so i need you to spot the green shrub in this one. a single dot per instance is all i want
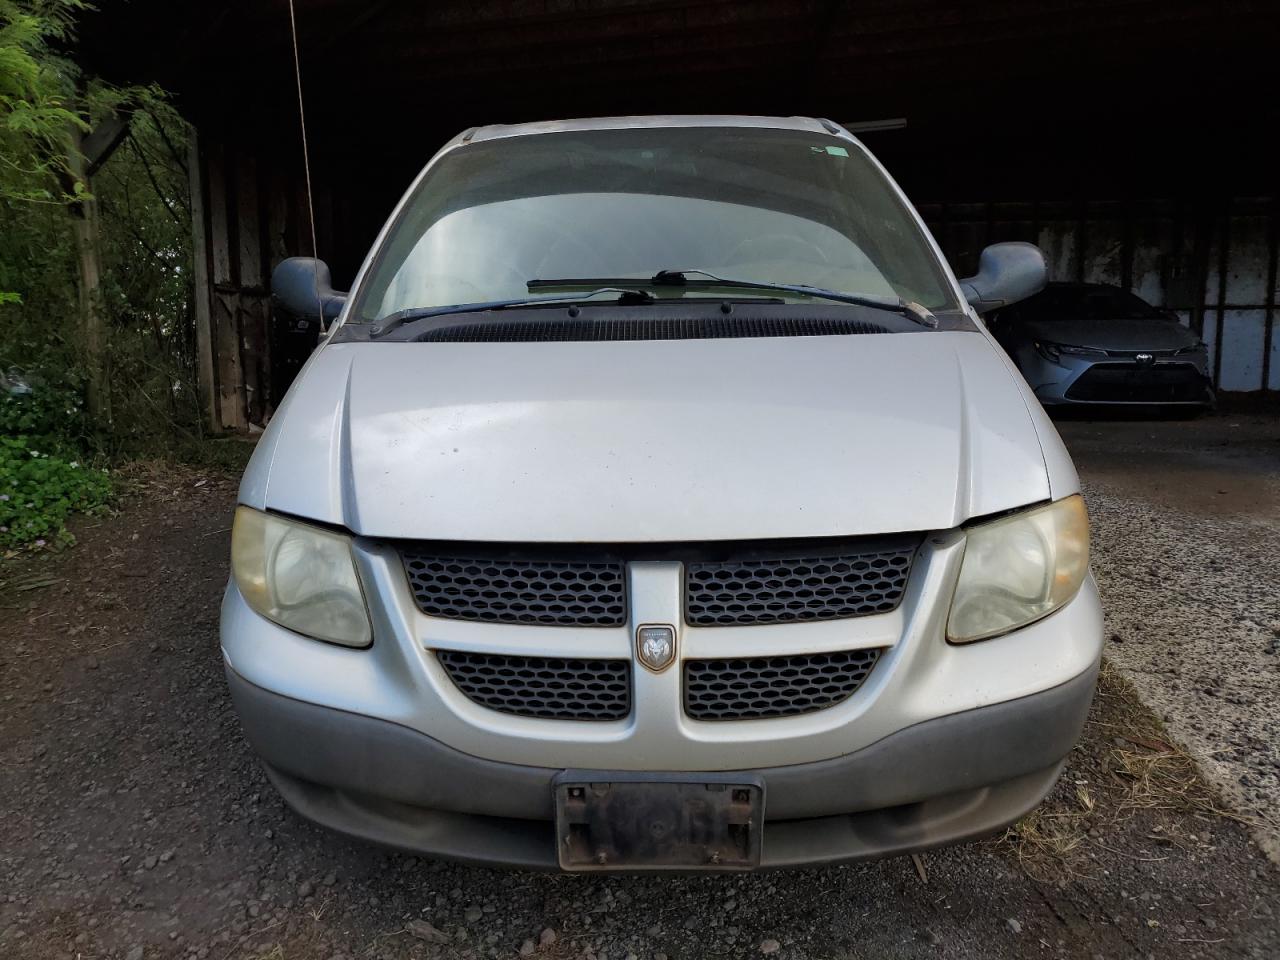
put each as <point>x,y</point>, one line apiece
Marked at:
<point>39,491</point>
<point>49,411</point>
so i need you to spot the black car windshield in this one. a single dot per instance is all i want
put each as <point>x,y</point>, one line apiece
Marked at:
<point>1073,302</point>
<point>765,205</point>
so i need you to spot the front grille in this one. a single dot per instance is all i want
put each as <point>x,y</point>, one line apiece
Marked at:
<point>1134,383</point>
<point>1132,354</point>
<point>762,687</point>
<point>549,688</point>
<point>534,591</point>
<point>849,583</point>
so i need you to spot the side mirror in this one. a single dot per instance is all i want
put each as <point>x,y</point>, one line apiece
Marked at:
<point>1007,273</point>
<point>304,287</point>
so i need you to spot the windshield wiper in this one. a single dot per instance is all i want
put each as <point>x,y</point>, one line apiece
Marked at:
<point>701,278</point>
<point>392,321</point>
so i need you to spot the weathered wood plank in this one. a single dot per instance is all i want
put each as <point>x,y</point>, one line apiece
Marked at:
<point>231,393</point>
<point>248,223</point>
<point>208,385</point>
<point>85,224</point>
<point>219,239</point>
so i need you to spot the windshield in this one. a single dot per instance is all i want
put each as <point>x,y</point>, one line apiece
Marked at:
<point>768,206</point>
<point>1072,302</point>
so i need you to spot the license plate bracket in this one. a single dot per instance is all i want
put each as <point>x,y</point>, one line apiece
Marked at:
<point>658,821</point>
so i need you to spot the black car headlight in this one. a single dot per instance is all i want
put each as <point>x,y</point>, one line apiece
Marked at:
<point>1054,352</point>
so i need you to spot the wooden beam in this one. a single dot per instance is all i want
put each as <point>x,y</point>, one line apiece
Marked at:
<point>202,292</point>
<point>225,293</point>
<point>85,231</point>
<point>101,142</point>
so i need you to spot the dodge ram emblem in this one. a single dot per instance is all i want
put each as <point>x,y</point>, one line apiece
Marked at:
<point>1145,359</point>
<point>656,646</point>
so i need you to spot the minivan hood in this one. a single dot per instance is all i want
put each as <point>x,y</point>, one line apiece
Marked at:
<point>644,441</point>
<point>1129,333</point>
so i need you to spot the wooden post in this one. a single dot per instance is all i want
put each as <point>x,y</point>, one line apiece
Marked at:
<point>85,230</point>
<point>225,290</point>
<point>202,291</point>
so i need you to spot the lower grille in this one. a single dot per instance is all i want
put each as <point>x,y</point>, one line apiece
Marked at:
<point>549,688</point>
<point>1132,383</point>
<point>763,687</point>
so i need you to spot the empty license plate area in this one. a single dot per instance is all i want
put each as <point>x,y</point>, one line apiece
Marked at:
<point>658,822</point>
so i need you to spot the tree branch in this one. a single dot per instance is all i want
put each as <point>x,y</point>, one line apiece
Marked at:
<point>154,183</point>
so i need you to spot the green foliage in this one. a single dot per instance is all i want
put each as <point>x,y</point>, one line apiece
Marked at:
<point>44,477</point>
<point>37,88</point>
<point>145,239</point>
<point>49,413</point>
<point>39,491</point>
<point>141,192</point>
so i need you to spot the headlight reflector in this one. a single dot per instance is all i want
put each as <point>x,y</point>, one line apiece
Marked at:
<point>299,576</point>
<point>1019,568</point>
<point>1053,352</point>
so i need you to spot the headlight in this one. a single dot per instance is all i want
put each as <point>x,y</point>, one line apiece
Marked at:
<point>1053,352</point>
<point>1018,569</point>
<point>300,576</point>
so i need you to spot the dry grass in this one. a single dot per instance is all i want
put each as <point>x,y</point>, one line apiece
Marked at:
<point>1150,770</point>
<point>1125,764</point>
<point>164,480</point>
<point>1052,834</point>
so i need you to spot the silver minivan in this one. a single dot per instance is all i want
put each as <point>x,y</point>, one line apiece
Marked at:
<point>657,500</point>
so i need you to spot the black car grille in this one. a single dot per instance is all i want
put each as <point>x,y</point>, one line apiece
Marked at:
<point>1140,383</point>
<point>781,589</point>
<point>759,688</point>
<point>548,688</point>
<point>579,593</point>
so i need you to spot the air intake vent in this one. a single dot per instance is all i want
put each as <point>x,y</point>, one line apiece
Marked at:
<point>811,586</point>
<point>763,687</point>
<point>547,591</point>
<point>543,331</point>
<point>549,688</point>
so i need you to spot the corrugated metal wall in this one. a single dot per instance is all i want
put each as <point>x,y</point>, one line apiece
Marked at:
<point>1215,263</point>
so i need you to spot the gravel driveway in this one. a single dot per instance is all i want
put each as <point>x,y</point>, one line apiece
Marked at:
<point>135,824</point>
<point>1186,523</point>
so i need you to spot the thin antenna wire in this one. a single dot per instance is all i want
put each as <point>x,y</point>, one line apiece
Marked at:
<point>306,157</point>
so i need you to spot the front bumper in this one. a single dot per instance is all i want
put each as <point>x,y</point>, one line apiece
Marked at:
<point>1094,383</point>
<point>937,782</point>
<point>918,675</point>
<point>939,744</point>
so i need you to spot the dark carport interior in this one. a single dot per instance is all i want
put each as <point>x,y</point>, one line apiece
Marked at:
<point>1124,138</point>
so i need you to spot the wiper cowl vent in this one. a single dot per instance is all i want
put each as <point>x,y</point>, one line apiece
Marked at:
<point>711,328</point>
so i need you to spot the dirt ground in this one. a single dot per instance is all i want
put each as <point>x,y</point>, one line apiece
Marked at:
<point>135,824</point>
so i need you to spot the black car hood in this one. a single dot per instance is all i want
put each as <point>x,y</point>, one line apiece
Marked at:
<point>1138,333</point>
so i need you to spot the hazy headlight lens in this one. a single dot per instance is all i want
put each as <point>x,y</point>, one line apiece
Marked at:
<point>1019,568</point>
<point>299,576</point>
